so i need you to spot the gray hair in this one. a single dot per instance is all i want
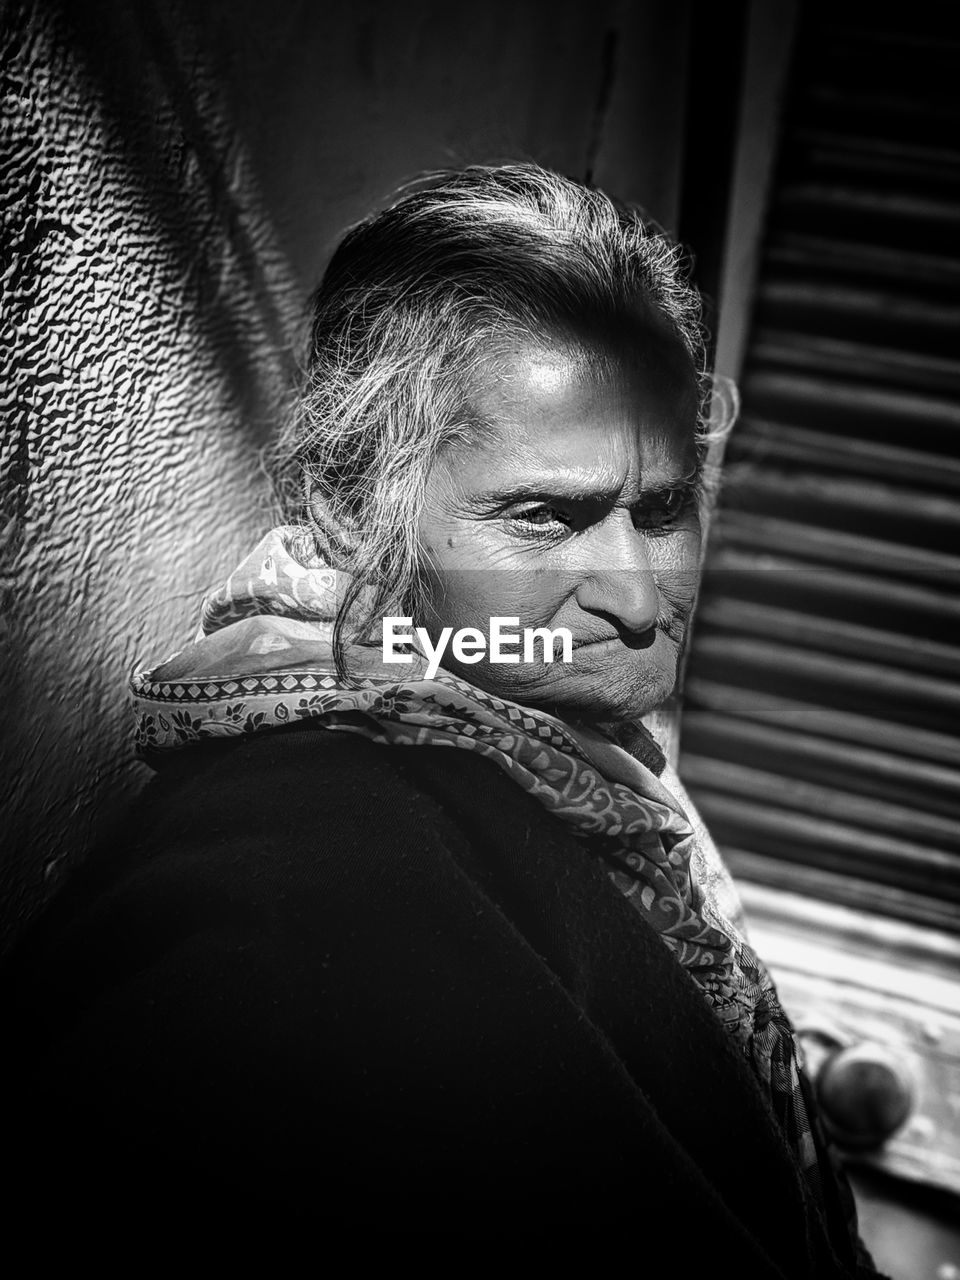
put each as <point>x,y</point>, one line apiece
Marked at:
<point>412,304</point>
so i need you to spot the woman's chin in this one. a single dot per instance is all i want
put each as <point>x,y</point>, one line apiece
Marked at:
<point>599,687</point>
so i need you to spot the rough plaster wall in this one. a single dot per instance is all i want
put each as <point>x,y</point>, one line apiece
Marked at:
<point>147,308</point>
<point>341,102</point>
<point>144,316</point>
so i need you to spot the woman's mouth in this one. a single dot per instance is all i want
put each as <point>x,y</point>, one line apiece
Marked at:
<point>625,639</point>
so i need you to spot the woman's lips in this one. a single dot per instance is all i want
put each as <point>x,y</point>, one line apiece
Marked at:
<point>629,640</point>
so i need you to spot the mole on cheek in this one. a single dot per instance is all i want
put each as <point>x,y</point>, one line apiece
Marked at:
<point>450,543</point>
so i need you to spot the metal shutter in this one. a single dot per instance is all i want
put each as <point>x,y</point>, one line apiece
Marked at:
<point>822,697</point>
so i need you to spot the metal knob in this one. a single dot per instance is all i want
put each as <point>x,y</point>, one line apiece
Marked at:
<point>865,1093</point>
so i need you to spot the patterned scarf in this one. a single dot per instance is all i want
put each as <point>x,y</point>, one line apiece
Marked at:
<point>263,658</point>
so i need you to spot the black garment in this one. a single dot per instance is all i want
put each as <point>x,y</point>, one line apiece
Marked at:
<point>385,981</point>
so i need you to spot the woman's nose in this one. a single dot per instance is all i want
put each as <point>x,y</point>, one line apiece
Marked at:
<point>621,584</point>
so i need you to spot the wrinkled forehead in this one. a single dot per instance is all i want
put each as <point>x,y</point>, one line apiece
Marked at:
<point>639,370</point>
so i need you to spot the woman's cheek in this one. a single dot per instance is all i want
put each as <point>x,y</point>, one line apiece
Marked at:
<point>679,553</point>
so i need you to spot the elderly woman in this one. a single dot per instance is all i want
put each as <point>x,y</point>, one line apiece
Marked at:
<point>415,925</point>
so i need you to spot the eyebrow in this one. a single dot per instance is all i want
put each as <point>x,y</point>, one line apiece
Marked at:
<point>577,493</point>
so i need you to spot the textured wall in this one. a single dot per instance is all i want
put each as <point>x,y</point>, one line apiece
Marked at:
<point>174,175</point>
<point>144,308</point>
<point>341,101</point>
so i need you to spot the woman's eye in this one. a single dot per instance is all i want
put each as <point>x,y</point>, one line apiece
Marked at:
<point>541,517</point>
<point>663,512</point>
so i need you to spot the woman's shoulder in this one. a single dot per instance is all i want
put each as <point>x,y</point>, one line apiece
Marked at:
<point>250,824</point>
<point>300,797</point>
<point>303,931</point>
<point>278,844</point>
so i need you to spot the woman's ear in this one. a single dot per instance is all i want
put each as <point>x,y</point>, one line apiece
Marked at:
<point>336,536</point>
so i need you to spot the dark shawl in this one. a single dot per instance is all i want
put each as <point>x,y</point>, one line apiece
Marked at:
<point>387,985</point>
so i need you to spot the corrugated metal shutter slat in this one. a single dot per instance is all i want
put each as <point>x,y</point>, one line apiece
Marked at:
<point>820,736</point>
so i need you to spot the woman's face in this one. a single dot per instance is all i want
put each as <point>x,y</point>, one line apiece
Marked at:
<point>575,507</point>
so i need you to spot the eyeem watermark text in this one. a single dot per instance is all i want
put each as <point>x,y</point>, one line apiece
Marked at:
<point>506,643</point>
